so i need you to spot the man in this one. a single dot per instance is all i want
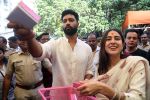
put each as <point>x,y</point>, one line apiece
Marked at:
<point>71,57</point>
<point>92,41</point>
<point>44,37</point>
<point>147,31</point>
<point>27,72</point>
<point>131,40</point>
<point>3,43</point>
<point>13,43</point>
<point>144,43</point>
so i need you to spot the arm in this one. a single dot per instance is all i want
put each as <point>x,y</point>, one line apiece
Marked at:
<point>6,86</point>
<point>8,77</point>
<point>25,34</point>
<point>89,71</point>
<point>47,64</point>
<point>35,48</point>
<point>92,87</point>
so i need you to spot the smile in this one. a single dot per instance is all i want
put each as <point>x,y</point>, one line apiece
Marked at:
<point>113,47</point>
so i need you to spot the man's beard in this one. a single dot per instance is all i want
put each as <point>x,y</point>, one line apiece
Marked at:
<point>70,31</point>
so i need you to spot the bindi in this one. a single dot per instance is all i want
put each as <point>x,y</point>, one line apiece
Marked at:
<point>112,33</point>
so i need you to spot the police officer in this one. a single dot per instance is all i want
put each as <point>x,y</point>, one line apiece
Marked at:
<point>28,75</point>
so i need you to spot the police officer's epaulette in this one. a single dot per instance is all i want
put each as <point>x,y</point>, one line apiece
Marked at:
<point>12,53</point>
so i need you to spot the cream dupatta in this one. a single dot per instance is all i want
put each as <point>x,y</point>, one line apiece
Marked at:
<point>125,73</point>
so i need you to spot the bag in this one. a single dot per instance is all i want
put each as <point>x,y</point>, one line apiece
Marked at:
<point>62,93</point>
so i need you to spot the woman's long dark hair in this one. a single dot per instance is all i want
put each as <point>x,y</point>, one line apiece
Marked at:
<point>104,60</point>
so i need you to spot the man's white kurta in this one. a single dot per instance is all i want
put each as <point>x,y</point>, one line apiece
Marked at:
<point>68,65</point>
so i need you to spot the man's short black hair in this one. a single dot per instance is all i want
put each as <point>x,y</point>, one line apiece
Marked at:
<point>70,11</point>
<point>13,38</point>
<point>92,33</point>
<point>4,59</point>
<point>2,49</point>
<point>131,30</point>
<point>3,39</point>
<point>40,36</point>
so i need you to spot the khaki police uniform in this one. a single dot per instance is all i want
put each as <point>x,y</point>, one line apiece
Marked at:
<point>8,52</point>
<point>28,75</point>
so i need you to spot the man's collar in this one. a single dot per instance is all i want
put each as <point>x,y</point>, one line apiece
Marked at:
<point>127,50</point>
<point>21,52</point>
<point>67,39</point>
<point>147,44</point>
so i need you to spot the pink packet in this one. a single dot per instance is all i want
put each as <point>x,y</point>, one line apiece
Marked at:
<point>23,15</point>
<point>76,84</point>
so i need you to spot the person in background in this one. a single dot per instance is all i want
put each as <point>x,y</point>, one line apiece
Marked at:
<point>147,31</point>
<point>3,43</point>
<point>13,43</point>
<point>131,42</point>
<point>28,74</point>
<point>119,78</point>
<point>92,41</point>
<point>71,57</point>
<point>84,39</point>
<point>47,74</point>
<point>44,37</point>
<point>3,67</point>
<point>144,43</point>
<point>99,41</point>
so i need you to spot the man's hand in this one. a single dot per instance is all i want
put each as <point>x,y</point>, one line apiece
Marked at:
<point>21,32</point>
<point>88,76</point>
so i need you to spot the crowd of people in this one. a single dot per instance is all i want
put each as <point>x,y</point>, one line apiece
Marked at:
<point>117,69</point>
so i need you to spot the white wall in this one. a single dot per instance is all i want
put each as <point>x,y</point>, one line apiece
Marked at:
<point>5,9</point>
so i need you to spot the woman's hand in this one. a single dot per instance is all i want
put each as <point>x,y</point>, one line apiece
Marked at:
<point>88,87</point>
<point>92,87</point>
<point>103,78</point>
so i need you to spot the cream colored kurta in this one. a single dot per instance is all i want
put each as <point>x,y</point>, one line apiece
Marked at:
<point>68,65</point>
<point>130,76</point>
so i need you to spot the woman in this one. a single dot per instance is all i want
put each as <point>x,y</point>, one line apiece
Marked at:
<point>120,78</point>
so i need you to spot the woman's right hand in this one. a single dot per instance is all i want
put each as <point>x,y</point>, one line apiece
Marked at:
<point>88,87</point>
<point>92,87</point>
